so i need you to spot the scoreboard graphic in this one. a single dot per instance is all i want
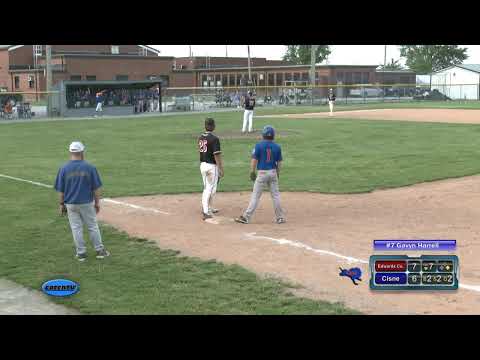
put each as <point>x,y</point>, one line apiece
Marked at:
<point>402,272</point>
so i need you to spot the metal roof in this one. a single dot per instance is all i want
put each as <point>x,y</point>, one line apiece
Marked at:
<point>471,67</point>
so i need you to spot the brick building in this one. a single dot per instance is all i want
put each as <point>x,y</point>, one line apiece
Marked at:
<point>22,67</point>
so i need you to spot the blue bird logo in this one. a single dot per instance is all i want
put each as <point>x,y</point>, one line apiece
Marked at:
<point>353,273</point>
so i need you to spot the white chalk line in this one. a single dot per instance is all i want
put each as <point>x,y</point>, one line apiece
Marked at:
<point>249,235</point>
<point>116,202</point>
<point>349,259</point>
<point>27,181</point>
<point>137,207</point>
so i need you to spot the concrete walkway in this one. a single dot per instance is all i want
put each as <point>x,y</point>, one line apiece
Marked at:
<point>18,300</point>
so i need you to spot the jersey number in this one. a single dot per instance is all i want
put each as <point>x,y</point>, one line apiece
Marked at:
<point>269,155</point>
<point>202,146</point>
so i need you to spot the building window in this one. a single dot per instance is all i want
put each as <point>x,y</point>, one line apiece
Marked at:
<point>76,77</point>
<point>224,80</point>
<point>91,78</point>
<point>357,77</point>
<point>121,77</point>
<point>115,49</point>
<point>17,82</point>
<point>305,76</point>
<point>271,80</point>
<point>279,79</point>
<point>255,79</point>
<point>348,78</point>
<point>37,49</point>
<point>31,81</point>
<point>366,78</point>
<point>143,51</point>
<point>296,76</point>
<point>288,77</point>
<point>232,80</point>
<point>340,77</point>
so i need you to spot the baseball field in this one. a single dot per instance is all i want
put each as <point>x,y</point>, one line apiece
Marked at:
<point>369,172</point>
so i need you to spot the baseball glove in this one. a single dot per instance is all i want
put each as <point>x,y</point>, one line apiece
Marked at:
<point>63,210</point>
<point>253,176</point>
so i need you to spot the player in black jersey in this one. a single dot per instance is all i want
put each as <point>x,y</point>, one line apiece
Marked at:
<point>331,100</point>
<point>249,105</point>
<point>211,166</point>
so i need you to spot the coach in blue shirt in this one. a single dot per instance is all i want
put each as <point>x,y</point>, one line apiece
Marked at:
<point>267,159</point>
<point>78,183</point>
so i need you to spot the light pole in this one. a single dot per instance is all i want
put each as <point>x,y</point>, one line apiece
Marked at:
<point>249,69</point>
<point>312,68</point>
<point>384,66</point>
<point>48,59</point>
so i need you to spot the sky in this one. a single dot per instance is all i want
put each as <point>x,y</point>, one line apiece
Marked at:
<point>341,54</point>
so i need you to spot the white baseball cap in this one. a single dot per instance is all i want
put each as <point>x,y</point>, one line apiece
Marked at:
<point>76,147</point>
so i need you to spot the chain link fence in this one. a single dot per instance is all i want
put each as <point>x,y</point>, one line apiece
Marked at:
<point>214,98</point>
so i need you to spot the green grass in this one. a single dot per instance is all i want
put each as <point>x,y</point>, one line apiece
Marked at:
<point>340,106</point>
<point>139,278</point>
<point>158,155</point>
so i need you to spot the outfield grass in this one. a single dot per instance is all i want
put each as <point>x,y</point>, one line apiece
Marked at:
<point>158,155</point>
<point>341,106</point>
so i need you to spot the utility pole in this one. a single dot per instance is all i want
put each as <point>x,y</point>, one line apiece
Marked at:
<point>249,69</point>
<point>312,68</point>
<point>48,58</point>
<point>384,66</point>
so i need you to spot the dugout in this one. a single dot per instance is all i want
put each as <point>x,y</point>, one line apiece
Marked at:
<point>77,98</point>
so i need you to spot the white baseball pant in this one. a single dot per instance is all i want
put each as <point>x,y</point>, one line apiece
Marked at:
<point>210,180</point>
<point>99,107</point>
<point>331,103</point>
<point>247,121</point>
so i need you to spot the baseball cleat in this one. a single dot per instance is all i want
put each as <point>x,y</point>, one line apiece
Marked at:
<point>207,216</point>
<point>281,221</point>
<point>214,211</point>
<point>81,257</point>
<point>101,254</point>
<point>241,220</point>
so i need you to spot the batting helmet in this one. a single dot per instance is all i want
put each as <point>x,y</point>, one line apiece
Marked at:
<point>209,124</point>
<point>268,132</point>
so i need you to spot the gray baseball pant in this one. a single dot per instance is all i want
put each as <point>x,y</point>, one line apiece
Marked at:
<point>78,216</point>
<point>265,178</point>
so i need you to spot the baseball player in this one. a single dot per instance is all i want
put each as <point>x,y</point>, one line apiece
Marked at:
<point>78,184</point>
<point>211,166</point>
<point>99,100</point>
<point>249,105</point>
<point>267,158</point>
<point>331,100</point>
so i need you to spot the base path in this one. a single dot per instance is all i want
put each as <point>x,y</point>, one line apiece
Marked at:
<point>323,232</point>
<point>456,116</point>
<point>18,300</point>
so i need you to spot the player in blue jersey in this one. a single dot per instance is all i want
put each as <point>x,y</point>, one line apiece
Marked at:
<point>267,159</point>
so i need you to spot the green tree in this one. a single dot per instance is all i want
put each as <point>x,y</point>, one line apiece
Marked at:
<point>393,65</point>
<point>301,54</point>
<point>426,59</point>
